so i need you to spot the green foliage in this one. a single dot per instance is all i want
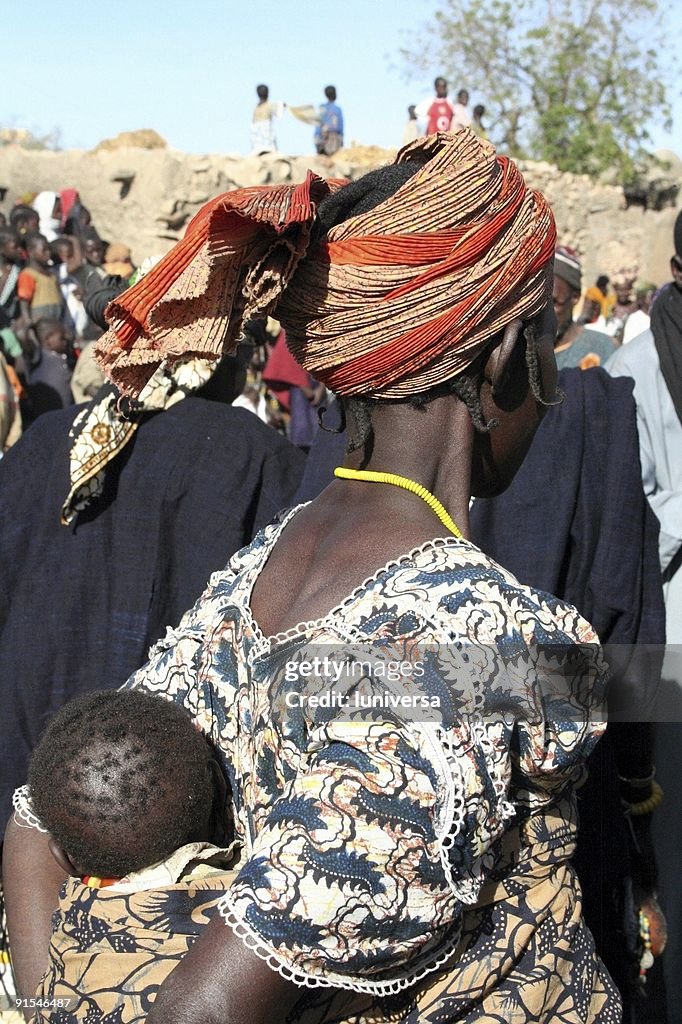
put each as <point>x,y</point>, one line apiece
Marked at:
<point>576,83</point>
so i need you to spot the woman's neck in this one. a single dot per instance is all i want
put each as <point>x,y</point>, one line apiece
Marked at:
<point>431,445</point>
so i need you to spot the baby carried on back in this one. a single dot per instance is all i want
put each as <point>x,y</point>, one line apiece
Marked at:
<point>135,804</point>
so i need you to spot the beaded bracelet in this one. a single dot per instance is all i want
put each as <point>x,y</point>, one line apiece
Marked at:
<point>647,958</point>
<point>646,806</point>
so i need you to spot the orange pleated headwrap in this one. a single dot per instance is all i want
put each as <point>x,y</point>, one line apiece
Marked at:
<point>388,303</point>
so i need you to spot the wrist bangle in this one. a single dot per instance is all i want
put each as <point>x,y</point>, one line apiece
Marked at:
<point>641,782</point>
<point>645,806</point>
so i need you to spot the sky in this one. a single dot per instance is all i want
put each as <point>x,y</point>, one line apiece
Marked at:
<point>189,70</point>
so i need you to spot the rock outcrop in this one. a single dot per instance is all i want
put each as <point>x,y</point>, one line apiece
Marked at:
<point>146,196</point>
<point>142,138</point>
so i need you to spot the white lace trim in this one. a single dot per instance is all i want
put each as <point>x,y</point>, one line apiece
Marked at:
<point>451,819</point>
<point>347,634</point>
<point>23,810</point>
<point>456,789</point>
<point>448,807</point>
<point>253,941</point>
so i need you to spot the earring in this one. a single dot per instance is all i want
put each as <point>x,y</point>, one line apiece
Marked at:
<point>322,409</point>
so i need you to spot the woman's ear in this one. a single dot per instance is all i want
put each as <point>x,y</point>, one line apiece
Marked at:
<point>62,858</point>
<point>497,368</point>
<point>506,370</point>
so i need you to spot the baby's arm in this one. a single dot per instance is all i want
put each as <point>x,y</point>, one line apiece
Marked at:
<point>32,880</point>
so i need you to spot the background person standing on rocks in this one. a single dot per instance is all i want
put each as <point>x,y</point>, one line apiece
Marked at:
<point>329,132</point>
<point>477,122</point>
<point>263,123</point>
<point>411,129</point>
<point>437,112</point>
<point>460,114</point>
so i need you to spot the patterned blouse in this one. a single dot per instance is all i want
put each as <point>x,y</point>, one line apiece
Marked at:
<point>402,863</point>
<point>397,863</point>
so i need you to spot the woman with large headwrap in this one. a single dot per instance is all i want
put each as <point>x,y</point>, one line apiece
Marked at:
<point>392,867</point>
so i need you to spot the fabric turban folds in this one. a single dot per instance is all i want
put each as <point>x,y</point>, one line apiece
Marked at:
<point>386,304</point>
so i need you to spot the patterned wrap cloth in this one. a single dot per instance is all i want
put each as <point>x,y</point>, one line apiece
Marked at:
<point>112,947</point>
<point>109,421</point>
<point>388,303</point>
<point>102,430</point>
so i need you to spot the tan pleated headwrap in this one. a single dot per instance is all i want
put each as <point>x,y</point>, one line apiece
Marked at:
<point>388,303</point>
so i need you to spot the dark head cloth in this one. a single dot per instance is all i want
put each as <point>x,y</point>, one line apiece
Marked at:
<point>666,326</point>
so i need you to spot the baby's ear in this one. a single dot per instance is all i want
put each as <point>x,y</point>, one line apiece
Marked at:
<point>62,858</point>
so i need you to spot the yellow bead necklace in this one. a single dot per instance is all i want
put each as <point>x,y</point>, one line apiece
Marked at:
<point>408,485</point>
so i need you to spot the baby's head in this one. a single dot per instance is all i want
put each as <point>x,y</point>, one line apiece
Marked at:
<point>121,779</point>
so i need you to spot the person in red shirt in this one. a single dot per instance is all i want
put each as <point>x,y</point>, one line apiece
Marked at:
<point>437,112</point>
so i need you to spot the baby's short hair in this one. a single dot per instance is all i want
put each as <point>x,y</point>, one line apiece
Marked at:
<point>121,779</point>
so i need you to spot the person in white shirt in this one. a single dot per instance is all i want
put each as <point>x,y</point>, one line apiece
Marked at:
<point>460,113</point>
<point>639,321</point>
<point>654,361</point>
<point>263,123</point>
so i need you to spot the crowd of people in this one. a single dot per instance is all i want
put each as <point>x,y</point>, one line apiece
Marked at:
<point>52,260</point>
<point>331,428</point>
<point>56,278</point>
